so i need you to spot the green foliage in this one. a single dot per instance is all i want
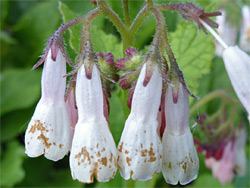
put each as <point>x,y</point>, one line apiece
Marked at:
<point>16,85</point>
<point>193,51</point>
<point>12,171</point>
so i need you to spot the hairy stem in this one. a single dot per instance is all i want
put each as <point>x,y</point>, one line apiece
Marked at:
<point>126,13</point>
<point>63,27</point>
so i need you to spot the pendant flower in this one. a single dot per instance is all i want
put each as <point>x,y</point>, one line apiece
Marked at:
<point>180,160</point>
<point>237,64</point>
<point>49,132</point>
<point>93,150</point>
<point>140,149</point>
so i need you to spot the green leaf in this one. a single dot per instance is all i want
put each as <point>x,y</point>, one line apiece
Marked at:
<point>102,42</point>
<point>75,31</point>
<point>12,171</point>
<point>20,89</point>
<point>207,180</point>
<point>32,31</point>
<point>10,127</point>
<point>193,51</point>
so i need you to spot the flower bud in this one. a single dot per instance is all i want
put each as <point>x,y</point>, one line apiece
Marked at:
<point>180,160</point>
<point>49,132</point>
<point>93,151</point>
<point>237,64</point>
<point>140,149</point>
<point>132,62</point>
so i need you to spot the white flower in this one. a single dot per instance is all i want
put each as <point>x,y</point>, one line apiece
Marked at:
<point>226,32</point>
<point>180,160</point>
<point>140,148</point>
<point>245,29</point>
<point>93,149</point>
<point>237,64</point>
<point>49,132</point>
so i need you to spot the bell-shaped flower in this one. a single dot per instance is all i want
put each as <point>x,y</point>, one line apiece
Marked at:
<point>140,148</point>
<point>223,168</point>
<point>180,160</point>
<point>237,64</point>
<point>48,131</point>
<point>93,151</point>
<point>244,41</point>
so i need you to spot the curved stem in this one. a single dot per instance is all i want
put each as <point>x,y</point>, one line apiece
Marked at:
<point>126,12</point>
<point>209,97</point>
<point>111,15</point>
<point>85,33</point>
<point>144,12</point>
<point>75,21</point>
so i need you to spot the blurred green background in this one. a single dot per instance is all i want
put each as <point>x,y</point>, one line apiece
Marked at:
<point>25,28</point>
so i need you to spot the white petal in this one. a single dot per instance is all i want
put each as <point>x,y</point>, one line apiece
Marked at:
<point>146,100</point>
<point>89,95</point>
<point>140,149</point>
<point>93,153</point>
<point>48,132</point>
<point>53,80</point>
<point>180,160</point>
<point>237,64</point>
<point>177,115</point>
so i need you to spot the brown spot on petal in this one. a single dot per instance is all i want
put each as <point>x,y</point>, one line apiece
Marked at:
<point>61,145</point>
<point>104,161</point>
<point>152,159</point>
<point>126,151</point>
<point>45,140</point>
<point>169,165</point>
<point>120,148</point>
<point>184,166</point>
<point>54,143</point>
<point>145,131</point>
<point>37,126</point>
<point>98,154</point>
<point>97,145</point>
<point>111,157</point>
<point>141,145</point>
<point>144,153</point>
<point>128,160</point>
<point>85,154</point>
<point>131,172</point>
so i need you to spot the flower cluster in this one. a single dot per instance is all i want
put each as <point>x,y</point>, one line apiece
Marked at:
<point>156,136</point>
<point>141,152</point>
